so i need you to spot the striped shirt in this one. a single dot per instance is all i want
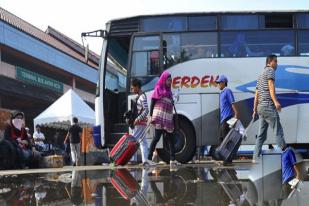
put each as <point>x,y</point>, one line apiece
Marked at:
<point>263,89</point>
<point>142,109</point>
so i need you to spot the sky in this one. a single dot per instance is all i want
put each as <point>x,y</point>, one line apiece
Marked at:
<point>72,17</point>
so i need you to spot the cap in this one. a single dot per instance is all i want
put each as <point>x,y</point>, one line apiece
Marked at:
<point>16,113</point>
<point>222,78</point>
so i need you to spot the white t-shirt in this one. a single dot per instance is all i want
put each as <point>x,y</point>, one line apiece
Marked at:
<point>37,136</point>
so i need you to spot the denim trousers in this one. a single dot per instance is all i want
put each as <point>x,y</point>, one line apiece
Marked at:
<point>138,133</point>
<point>268,117</point>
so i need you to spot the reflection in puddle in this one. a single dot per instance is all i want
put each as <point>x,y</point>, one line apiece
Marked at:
<point>185,186</point>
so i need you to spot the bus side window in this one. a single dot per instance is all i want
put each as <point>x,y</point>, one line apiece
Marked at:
<point>145,56</point>
<point>171,50</point>
<point>145,63</point>
<point>196,45</point>
<point>154,63</point>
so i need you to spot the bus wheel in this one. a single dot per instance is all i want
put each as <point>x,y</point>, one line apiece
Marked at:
<point>185,144</point>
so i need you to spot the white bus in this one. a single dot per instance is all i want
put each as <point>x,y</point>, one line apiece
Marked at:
<point>196,48</point>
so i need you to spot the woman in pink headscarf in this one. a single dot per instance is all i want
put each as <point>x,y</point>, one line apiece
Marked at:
<point>161,112</point>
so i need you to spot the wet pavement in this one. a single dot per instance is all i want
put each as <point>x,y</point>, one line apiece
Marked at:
<point>191,184</point>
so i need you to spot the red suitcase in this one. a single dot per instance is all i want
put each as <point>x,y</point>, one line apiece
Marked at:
<point>124,183</point>
<point>126,148</point>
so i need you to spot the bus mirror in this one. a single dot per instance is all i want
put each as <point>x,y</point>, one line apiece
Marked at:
<point>97,33</point>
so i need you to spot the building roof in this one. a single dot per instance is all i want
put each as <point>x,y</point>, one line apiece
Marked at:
<point>72,44</point>
<point>52,37</point>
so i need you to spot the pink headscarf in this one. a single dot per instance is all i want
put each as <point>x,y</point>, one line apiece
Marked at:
<point>161,90</point>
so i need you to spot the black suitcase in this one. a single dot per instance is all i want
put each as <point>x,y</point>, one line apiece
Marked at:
<point>228,180</point>
<point>230,145</point>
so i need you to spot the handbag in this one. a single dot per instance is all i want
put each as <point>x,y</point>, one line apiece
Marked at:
<point>132,114</point>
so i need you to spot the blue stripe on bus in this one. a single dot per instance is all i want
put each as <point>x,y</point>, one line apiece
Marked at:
<point>285,99</point>
<point>297,80</point>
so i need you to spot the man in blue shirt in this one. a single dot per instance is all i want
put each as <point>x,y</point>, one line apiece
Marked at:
<point>289,167</point>
<point>289,171</point>
<point>227,106</point>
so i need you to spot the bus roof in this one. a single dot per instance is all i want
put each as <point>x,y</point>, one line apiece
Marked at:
<point>210,13</point>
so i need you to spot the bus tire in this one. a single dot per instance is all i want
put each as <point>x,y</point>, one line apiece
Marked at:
<point>188,175</point>
<point>185,144</point>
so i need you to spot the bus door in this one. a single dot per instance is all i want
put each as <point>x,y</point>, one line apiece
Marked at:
<point>115,88</point>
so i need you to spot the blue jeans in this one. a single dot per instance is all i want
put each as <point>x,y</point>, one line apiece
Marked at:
<point>268,117</point>
<point>137,133</point>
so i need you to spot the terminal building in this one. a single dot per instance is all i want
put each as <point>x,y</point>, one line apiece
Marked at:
<point>37,67</point>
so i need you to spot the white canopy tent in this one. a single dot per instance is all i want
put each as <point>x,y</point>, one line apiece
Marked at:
<point>61,112</point>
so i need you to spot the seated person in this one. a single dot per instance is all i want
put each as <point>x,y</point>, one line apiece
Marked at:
<point>287,50</point>
<point>199,53</point>
<point>39,138</point>
<point>15,132</point>
<point>240,48</point>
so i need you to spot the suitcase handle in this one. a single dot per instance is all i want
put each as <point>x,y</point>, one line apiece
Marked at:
<point>244,136</point>
<point>144,133</point>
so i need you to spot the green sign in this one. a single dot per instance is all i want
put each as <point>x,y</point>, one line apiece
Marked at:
<point>38,80</point>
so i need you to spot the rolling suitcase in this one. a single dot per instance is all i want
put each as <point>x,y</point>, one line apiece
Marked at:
<point>124,183</point>
<point>128,187</point>
<point>228,180</point>
<point>126,148</point>
<point>231,143</point>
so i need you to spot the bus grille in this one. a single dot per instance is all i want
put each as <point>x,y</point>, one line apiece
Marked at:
<point>124,27</point>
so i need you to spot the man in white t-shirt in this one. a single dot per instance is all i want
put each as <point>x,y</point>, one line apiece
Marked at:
<point>39,138</point>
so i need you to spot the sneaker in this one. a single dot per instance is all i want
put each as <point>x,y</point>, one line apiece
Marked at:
<point>174,163</point>
<point>149,163</point>
<point>132,163</point>
<point>173,166</point>
<point>254,161</point>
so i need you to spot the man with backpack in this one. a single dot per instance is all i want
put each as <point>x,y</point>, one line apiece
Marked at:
<point>140,122</point>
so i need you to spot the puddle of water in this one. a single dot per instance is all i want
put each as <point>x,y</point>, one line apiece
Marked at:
<point>202,185</point>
